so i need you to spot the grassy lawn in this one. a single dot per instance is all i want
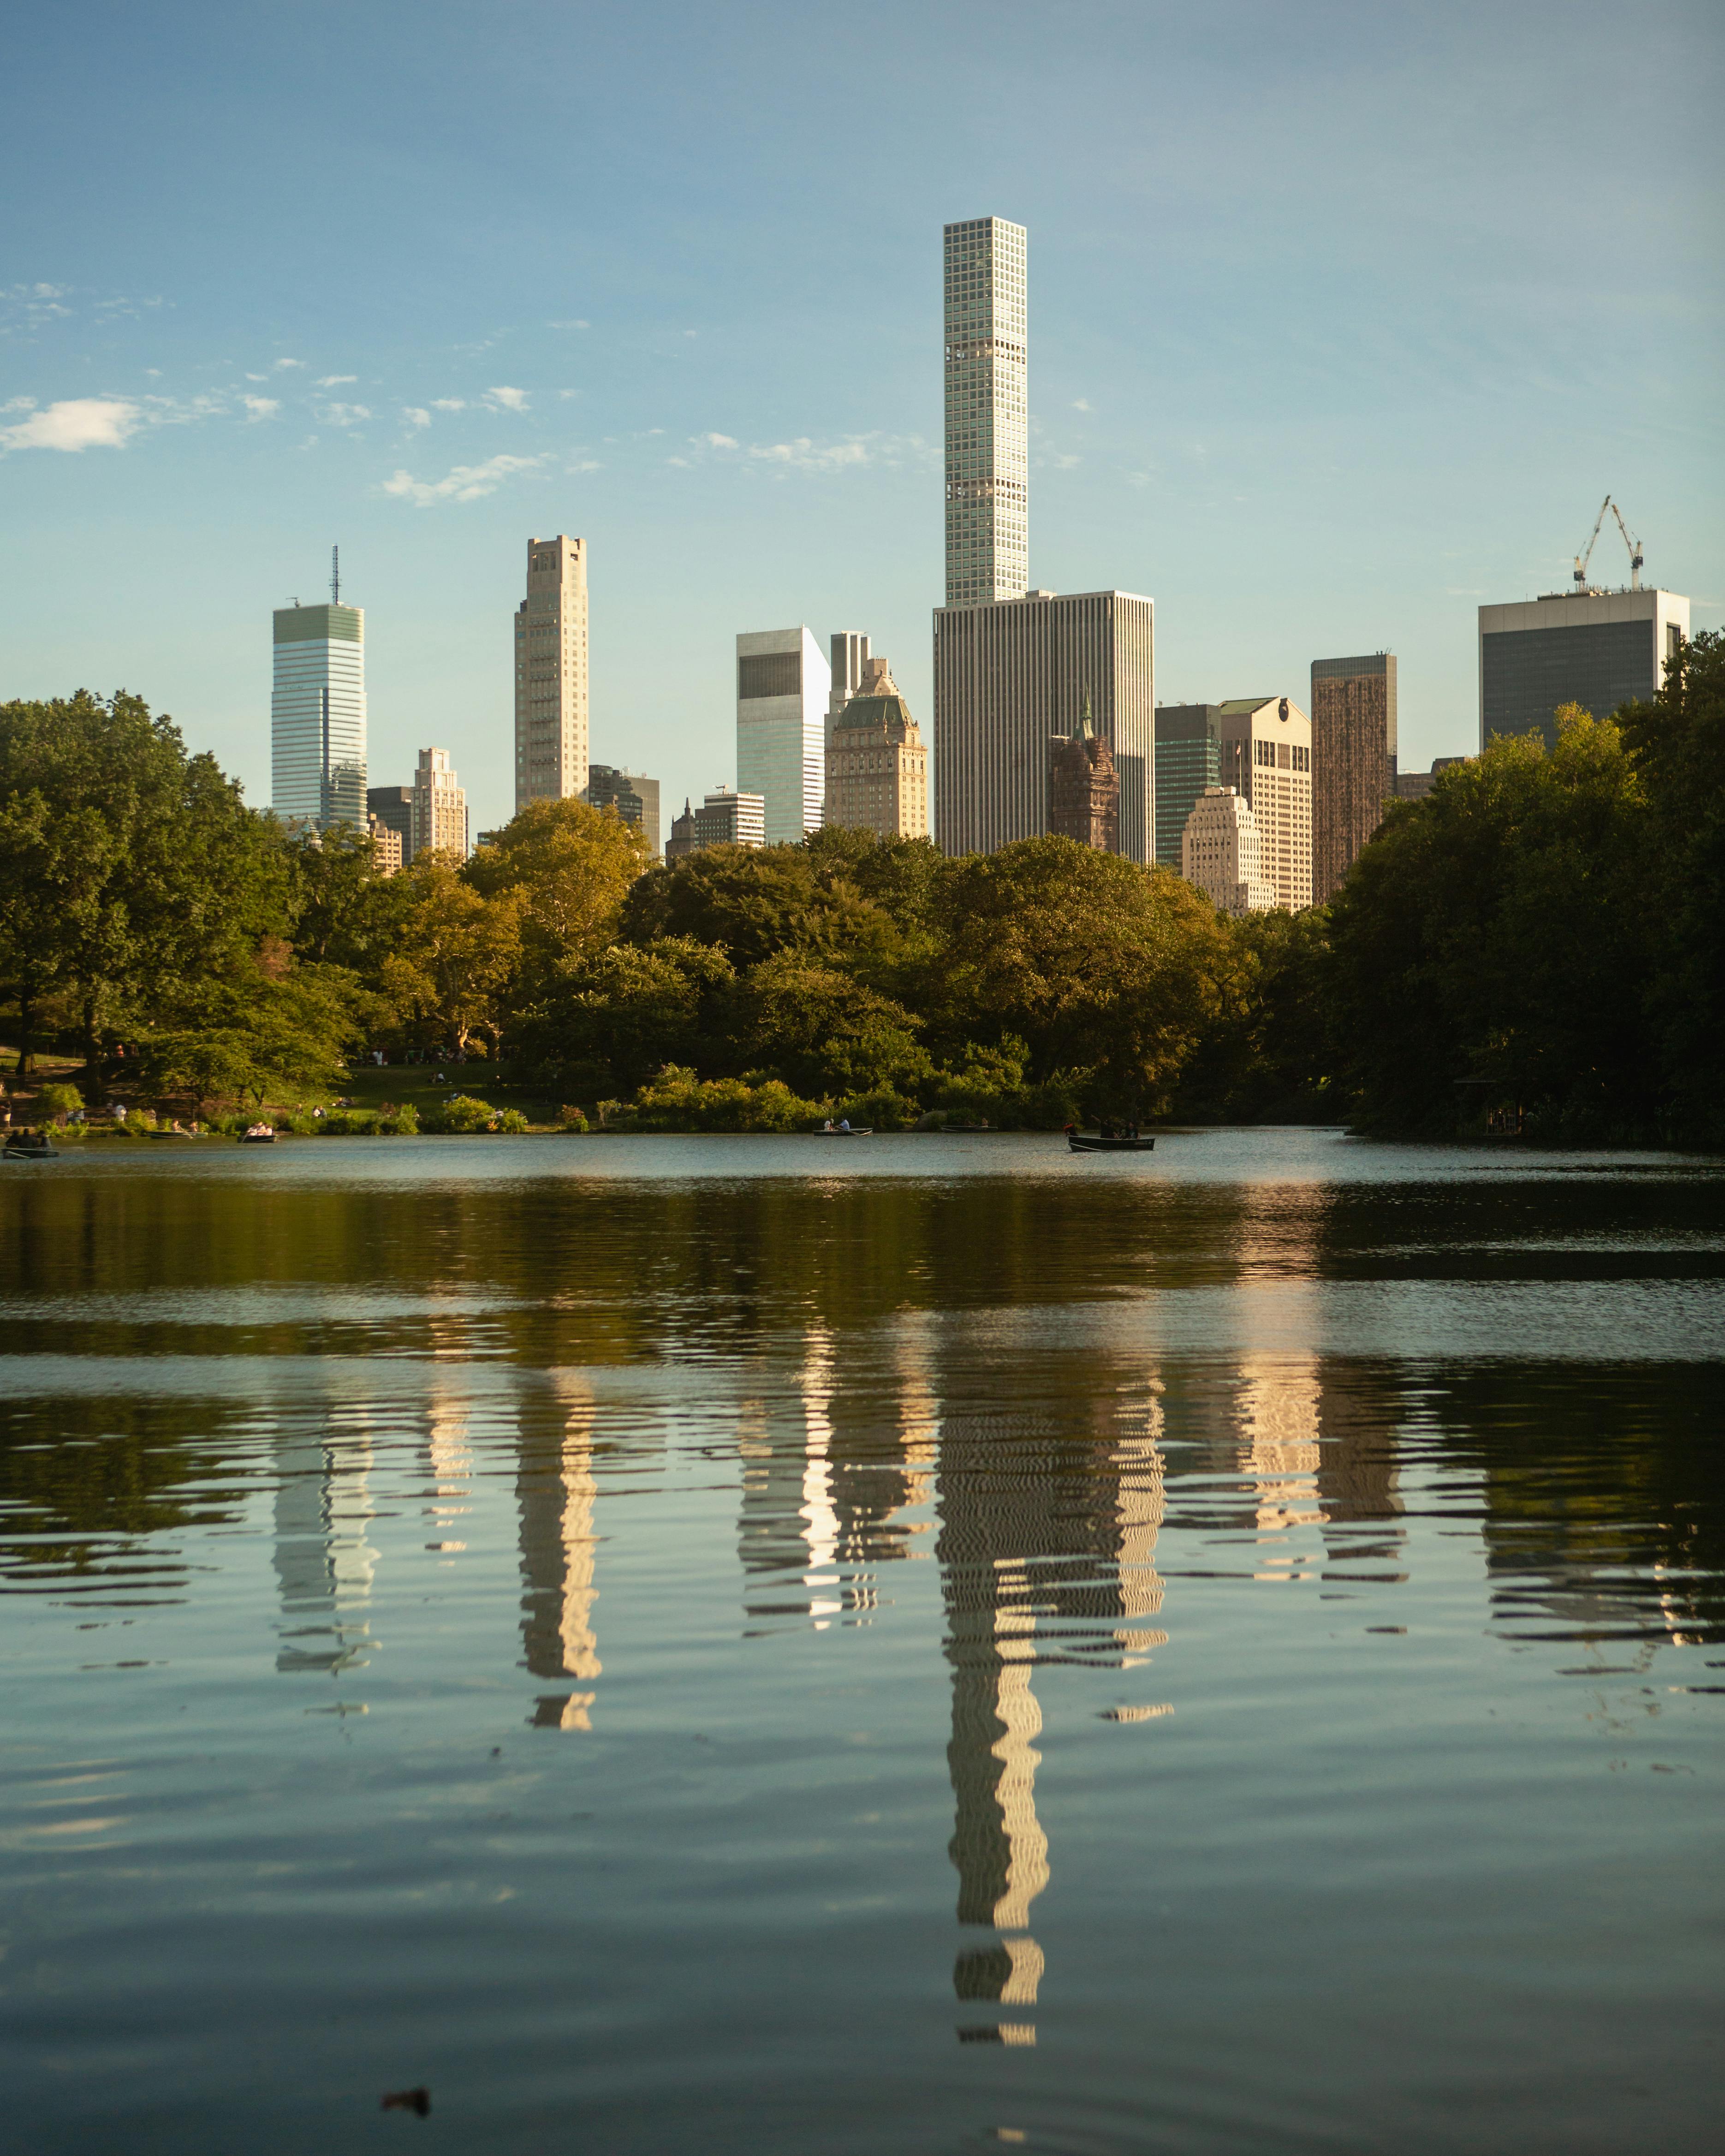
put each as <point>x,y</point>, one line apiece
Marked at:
<point>369,1087</point>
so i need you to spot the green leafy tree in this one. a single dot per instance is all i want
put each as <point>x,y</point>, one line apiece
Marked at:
<point>1677,741</point>
<point>126,866</point>
<point>284,1031</point>
<point>822,1032</point>
<point>567,866</point>
<point>1494,943</point>
<point>623,1013</point>
<point>345,912</point>
<point>1094,963</point>
<point>454,975</point>
<point>753,901</point>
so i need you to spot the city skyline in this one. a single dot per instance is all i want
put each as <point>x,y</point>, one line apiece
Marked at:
<point>757,447</point>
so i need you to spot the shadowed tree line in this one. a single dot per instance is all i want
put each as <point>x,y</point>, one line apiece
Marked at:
<point>1539,934</point>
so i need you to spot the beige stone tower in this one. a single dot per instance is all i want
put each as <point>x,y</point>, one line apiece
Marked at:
<point>877,767</point>
<point>550,673</point>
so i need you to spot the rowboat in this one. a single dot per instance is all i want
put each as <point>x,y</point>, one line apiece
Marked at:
<point>259,1134</point>
<point>28,1148</point>
<point>855,1130</point>
<point>1078,1144</point>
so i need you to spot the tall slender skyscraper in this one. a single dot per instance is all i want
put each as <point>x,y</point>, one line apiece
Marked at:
<point>317,715</point>
<point>1354,751</point>
<point>550,673</point>
<point>988,463</point>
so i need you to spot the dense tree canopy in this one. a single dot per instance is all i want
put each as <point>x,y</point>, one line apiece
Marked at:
<point>1540,934</point>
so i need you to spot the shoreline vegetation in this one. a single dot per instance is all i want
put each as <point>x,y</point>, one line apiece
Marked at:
<point>1532,950</point>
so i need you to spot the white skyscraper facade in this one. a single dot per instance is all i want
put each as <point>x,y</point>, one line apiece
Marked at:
<point>987,461</point>
<point>318,717</point>
<point>783,687</point>
<point>550,675</point>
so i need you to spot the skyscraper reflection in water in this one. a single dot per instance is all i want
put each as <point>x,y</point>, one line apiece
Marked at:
<point>555,1490</point>
<point>829,1475</point>
<point>1046,1547</point>
<point>324,1563</point>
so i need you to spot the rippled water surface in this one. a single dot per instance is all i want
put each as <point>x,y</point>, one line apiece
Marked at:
<point>776,1646</point>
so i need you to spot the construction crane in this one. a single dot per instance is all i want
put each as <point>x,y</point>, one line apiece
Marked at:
<point>1633,546</point>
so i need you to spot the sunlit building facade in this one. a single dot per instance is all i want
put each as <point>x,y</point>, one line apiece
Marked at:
<point>318,717</point>
<point>986,412</point>
<point>551,674</point>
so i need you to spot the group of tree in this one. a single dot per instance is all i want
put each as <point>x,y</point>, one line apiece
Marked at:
<point>1541,931</point>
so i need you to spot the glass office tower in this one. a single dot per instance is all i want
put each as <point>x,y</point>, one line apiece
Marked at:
<point>318,717</point>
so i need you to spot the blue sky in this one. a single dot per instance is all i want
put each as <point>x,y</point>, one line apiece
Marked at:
<point>1341,320</point>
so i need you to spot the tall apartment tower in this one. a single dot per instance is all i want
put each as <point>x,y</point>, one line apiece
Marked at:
<point>1010,675</point>
<point>1353,766</point>
<point>987,459</point>
<point>318,717</point>
<point>439,807</point>
<point>550,673</point>
<point>1266,756</point>
<point>1596,648</point>
<point>782,687</point>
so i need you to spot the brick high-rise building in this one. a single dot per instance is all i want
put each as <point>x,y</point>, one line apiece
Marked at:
<point>550,704</point>
<point>1084,788</point>
<point>439,807</point>
<point>877,768</point>
<point>1353,761</point>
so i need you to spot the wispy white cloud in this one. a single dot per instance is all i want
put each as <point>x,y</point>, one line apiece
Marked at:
<point>416,415</point>
<point>255,377</point>
<point>28,306</point>
<point>290,362</point>
<point>1080,405</point>
<point>682,464</point>
<point>77,422</point>
<point>688,333</point>
<point>335,381</point>
<point>261,407</point>
<point>344,415</point>
<point>805,453</point>
<point>19,404</point>
<point>506,399</point>
<point>569,326</point>
<point>584,465</point>
<point>449,403</point>
<point>1064,463</point>
<point>465,483</point>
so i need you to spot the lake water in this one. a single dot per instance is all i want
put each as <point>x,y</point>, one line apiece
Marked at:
<point>781,1645</point>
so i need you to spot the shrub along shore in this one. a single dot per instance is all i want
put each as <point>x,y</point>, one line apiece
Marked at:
<point>1533,948</point>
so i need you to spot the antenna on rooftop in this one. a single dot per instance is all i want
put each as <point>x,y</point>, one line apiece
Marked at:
<point>335,576</point>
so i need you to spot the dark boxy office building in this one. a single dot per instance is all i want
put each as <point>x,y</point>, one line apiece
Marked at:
<point>1353,761</point>
<point>634,796</point>
<point>1009,672</point>
<point>1596,648</point>
<point>1186,735</point>
<point>394,808</point>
